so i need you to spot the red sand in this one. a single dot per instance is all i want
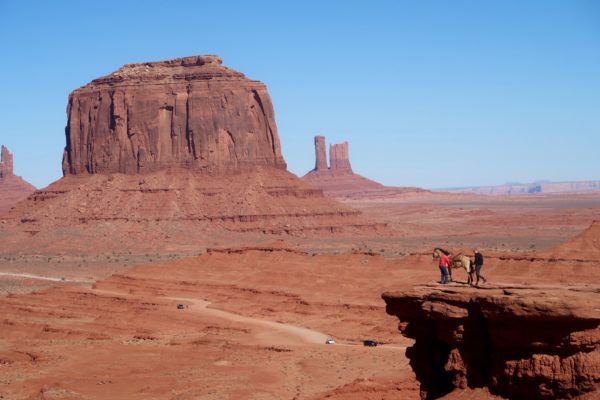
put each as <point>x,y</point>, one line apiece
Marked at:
<point>126,338</point>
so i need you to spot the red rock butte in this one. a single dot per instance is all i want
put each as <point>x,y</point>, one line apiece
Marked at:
<point>13,188</point>
<point>185,146</point>
<point>190,113</point>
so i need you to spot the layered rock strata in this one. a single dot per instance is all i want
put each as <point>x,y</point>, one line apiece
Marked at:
<point>13,188</point>
<point>521,342</point>
<point>190,113</point>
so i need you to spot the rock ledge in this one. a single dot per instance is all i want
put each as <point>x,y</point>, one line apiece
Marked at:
<point>534,342</point>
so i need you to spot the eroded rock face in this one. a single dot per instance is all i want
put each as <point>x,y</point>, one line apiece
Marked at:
<point>190,113</point>
<point>520,342</point>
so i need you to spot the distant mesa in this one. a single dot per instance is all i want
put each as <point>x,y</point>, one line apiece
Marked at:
<point>339,180</point>
<point>512,189</point>
<point>13,188</point>
<point>185,146</point>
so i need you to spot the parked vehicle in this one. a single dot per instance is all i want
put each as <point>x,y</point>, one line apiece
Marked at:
<point>370,343</point>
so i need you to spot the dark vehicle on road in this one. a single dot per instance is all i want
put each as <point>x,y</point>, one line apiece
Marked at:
<point>370,343</point>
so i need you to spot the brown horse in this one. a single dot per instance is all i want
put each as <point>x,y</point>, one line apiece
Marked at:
<point>456,261</point>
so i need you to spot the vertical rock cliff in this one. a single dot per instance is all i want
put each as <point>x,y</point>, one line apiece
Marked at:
<point>521,342</point>
<point>190,113</point>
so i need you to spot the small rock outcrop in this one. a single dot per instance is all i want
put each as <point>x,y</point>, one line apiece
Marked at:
<point>6,163</point>
<point>521,342</point>
<point>187,113</point>
<point>13,188</point>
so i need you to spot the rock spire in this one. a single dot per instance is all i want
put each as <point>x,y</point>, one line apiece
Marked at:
<point>320,154</point>
<point>6,163</point>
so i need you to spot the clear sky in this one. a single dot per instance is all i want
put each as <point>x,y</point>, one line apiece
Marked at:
<point>428,93</point>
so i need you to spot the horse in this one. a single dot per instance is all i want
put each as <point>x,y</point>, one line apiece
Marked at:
<point>456,261</point>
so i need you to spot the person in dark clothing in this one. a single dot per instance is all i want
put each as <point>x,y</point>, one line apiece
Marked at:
<point>478,264</point>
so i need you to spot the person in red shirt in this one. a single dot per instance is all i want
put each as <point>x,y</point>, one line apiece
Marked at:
<point>444,264</point>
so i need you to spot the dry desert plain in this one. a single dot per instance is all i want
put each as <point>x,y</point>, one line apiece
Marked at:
<point>255,317</point>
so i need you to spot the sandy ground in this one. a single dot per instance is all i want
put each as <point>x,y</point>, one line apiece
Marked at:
<point>254,320</point>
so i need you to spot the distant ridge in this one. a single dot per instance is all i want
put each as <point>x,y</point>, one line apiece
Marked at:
<point>530,188</point>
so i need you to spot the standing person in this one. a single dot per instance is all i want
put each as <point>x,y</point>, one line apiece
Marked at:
<point>478,265</point>
<point>444,264</point>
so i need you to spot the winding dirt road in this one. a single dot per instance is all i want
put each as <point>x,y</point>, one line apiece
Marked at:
<point>266,332</point>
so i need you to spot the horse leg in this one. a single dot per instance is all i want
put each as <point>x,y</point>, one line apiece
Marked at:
<point>469,269</point>
<point>450,273</point>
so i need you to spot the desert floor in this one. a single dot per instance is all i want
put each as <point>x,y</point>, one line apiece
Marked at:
<point>254,318</point>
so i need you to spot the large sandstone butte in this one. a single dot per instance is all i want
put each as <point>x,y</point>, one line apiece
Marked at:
<point>521,342</point>
<point>183,146</point>
<point>13,188</point>
<point>190,113</point>
<point>339,181</point>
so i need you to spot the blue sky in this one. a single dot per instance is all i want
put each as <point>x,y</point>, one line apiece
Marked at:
<point>428,93</point>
